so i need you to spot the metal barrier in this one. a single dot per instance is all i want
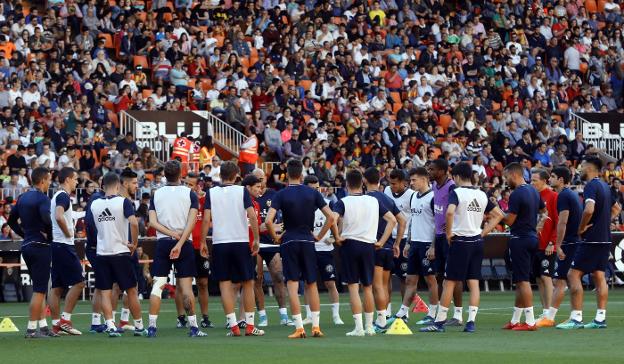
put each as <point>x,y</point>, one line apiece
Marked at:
<point>225,135</point>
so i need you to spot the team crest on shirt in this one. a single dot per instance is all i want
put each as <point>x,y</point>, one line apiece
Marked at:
<point>556,266</point>
<point>206,265</point>
<point>404,267</point>
<point>545,263</point>
<point>425,262</point>
<point>268,203</point>
<point>329,268</point>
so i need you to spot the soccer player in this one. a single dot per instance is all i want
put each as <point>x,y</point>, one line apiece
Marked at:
<point>202,264</point>
<point>66,267</point>
<point>569,210</point>
<point>544,259</point>
<point>359,218</point>
<point>401,194</point>
<point>298,204</point>
<point>442,187</point>
<point>464,217</point>
<point>173,213</point>
<point>229,210</point>
<point>420,248</point>
<point>91,254</point>
<point>525,205</point>
<point>324,259</point>
<point>384,257</point>
<point>111,215</point>
<point>30,219</point>
<point>592,254</point>
<point>269,252</point>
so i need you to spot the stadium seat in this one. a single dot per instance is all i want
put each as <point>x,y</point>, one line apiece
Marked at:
<point>108,105</point>
<point>108,40</point>
<point>220,40</point>
<point>445,121</point>
<point>305,84</point>
<point>563,106</point>
<point>396,97</point>
<point>167,17</point>
<point>140,61</point>
<point>142,16</point>
<point>112,116</point>
<point>147,93</point>
<point>591,6</point>
<point>601,6</point>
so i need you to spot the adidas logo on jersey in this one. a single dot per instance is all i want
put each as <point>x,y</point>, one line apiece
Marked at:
<point>474,206</point>
<point>106,216</point>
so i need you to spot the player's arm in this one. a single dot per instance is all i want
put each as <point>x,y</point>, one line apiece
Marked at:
<point>203,247</point>
<point>191,219</point>
<point>615,210</point>
<point>450,215</point>
<point>391,222</point>
<point>512,211</point>
<point>270,225</point>
<point>588,212</point>
<point>153,219</point>
<point>253,221</point>
<point>134,233</point>
<point>62,204</point>
<point>14,222</point>
<point>562,222</point>
<point>495,215</point>
<point>339,211</point>
<point>401,221</point>
<point>330,221</point>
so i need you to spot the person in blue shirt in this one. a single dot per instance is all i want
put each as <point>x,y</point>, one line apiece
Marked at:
<point>30,219</point>
<point>592,254</point>
<point>525,205</point>
<point>91,254</point>
<point>298,204</point>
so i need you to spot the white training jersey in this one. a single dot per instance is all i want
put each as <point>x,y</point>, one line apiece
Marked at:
<point>110,215</point>
<point>319,222</point>
<point>402,203</point>
<point>422,220</point>
<point>62,198</point>
<point>228,207</point>
<point>360,217</point>
<point>172,205</point>
<point>472,204</point>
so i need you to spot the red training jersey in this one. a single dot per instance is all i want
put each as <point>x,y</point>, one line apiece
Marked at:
<point>198,224</point>
<point>256,207</point>
<point>549,231</point>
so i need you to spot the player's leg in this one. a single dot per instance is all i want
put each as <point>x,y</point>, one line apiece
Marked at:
<point>334,299</point>
<point>309,273</point>
<point>135,309</point>
<point>546,297</point>
<point>327,269</point>
<point>473,308</point>
<point>37,260</point>
<point>575,286</point>
<point>432,287</point>
<point>96,299</point>
<point>54,302</point>
<point>160,270</point>
<point>104,279</point>
<point>473,275</point>
<point>244,272</point>
<point>356,309</point>
<point>125,277</point>
<point>448,287</point>
<point>521,261</point>
<point>380,293</point>
<point>259,292</point>
<point>562,266</point>
<point>558,296</point>
<point>72,275</point>
<point>185,268</point>
<point>279,288</point>
<point>292,273</point>
<point>202,293</point>
<point>602,295</point>
<point>366,267</point>
<point>411,280</point>
<point>181,321</point>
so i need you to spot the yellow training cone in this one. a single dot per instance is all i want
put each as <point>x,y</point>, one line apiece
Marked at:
<point>6,325</point>
<point>399,327</point>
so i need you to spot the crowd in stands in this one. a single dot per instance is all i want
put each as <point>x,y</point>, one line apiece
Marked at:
<point>337,83</point>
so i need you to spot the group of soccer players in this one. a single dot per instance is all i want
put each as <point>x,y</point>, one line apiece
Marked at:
<point>413,229</point>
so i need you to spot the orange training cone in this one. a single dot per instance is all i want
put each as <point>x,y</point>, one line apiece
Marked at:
<point>419,305</point>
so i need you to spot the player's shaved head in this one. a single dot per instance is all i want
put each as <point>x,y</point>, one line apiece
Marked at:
<point>172,171</point>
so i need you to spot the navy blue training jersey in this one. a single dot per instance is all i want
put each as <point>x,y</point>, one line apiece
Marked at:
<point>526,203</point>
<point>570,201</point>
<point>600,230</point>
<point>89,224</point>
<point>33,210</point>
<point>298,204</point>
<point>266,201</point>
<point>385,201</point>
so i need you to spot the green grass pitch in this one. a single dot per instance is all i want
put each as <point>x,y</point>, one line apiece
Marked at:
<point>489,344</point>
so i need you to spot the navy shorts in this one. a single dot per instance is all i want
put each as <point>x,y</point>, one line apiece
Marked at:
<point>202,265</point>
<point>66,268</point>
<point>299,261</point>
<point>38,259</point>
<point>464,258</point>
<point>591,257</point>
<point>441,253</point>
<point>268,254</point>
<point>115,269</point>
<point>417,262</point>
<point>91,254</point>
<point>522,250</point>
<point>384,258</point>
<point>400,263</point>
<point>184,266</point>
<point>358,262</point>
<point>543,265</point>
<point>563,266</point>
<point>326,266</point>
<point>233,262</point>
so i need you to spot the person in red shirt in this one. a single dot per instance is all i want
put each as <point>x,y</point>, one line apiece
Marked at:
<point>544,259</point>
<point>254,186</point>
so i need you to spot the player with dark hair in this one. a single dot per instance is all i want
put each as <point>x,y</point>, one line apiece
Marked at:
<point>592,254</point>
<point>91,254</point>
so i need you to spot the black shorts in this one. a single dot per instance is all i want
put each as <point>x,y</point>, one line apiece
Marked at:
<point>299,261</point>
<point>441,253</point>
<point>326,266</point>
<point>563,266</point>
<point>184,266</point>
<point>358,262</point>
<point>233,262</point>
<point>464,259</point>
<point>400,263</point>
<point>202,265</point>
<point>591,257</point>
<point>38,258</point>
<point>66,268</point>
<point>543,265</point>
<point>521,253</point>
<point>384,258</point>
<point>417,262</point>
<point>268,254</point>
<point>115,269</point>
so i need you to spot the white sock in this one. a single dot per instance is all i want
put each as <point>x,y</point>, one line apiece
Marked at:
<point>389,308</point>
<point>457,314</point>
<point>601,315</point>
<point>577,315</point>
<point>529,317</point>
<point>192,319</point>
<point>552,313</point>
<point>66,316</point>
<point>263,312</point>
<point>358,322</point>
<point>517,314</point>
<point>308,311</point>
<point>316,318</point>
<point>545,312</point>
<point>125,315</point>
<point>114,314</point>
<point>402,311</point>
<point>298,321</point>
<point>472,313</point>
<point>432,310</point>
<point>368,320</point>
<point>231,319</point>
<point>96,319</point>
<point>42,323</point>
<point>32,325</point>
<point>442,313</point>
<point>250,318</point>
<point>336,309</point>
<point>55,322</point>
<point>138,324</point>
<point>282,311</point>
<point>152,320</point>
<point>110,325</point>
<point>381,318</point>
